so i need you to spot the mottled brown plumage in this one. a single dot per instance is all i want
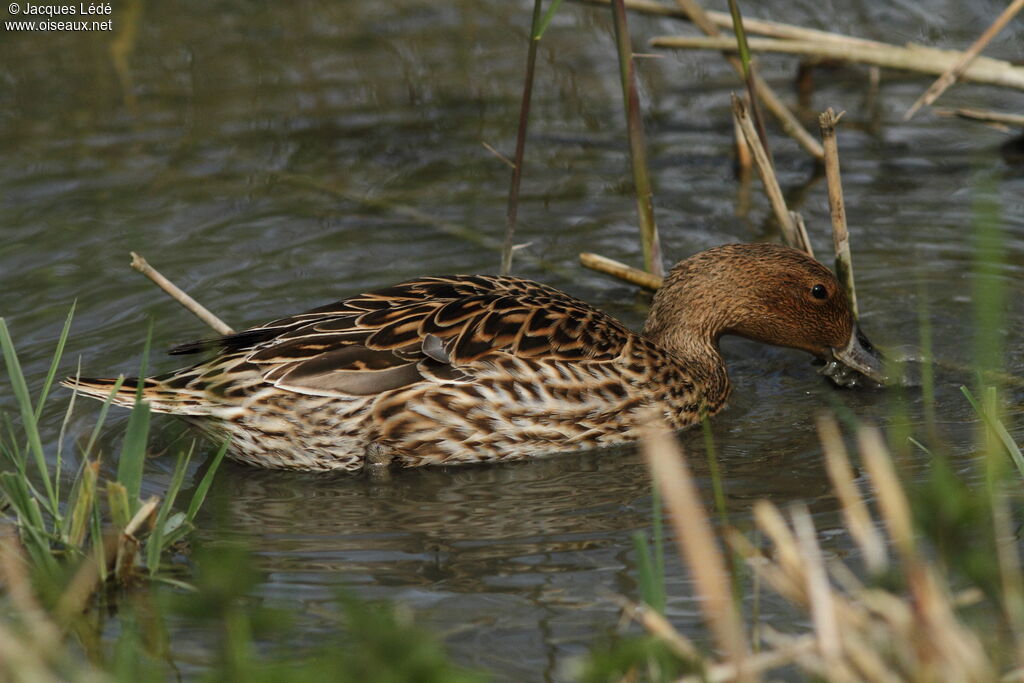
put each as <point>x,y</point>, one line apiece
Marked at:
<point>469,368</point>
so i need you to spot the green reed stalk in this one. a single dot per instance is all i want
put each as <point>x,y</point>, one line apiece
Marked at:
<point>734,562</point>
<point>538,25</point>
<point>133,449</point>
<point>651,565</point>
<point>637,148</point>
<point>748,74</point>
<point>924,331</point>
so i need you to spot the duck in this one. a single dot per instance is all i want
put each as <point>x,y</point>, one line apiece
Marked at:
<point>453,370</point>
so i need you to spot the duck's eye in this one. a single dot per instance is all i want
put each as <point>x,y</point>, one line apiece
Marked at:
<point>819,292</point>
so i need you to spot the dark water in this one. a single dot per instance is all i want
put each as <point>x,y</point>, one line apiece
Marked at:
<point>268,157</point>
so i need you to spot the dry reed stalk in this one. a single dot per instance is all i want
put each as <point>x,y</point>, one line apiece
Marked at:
<point>723,20</point>
<point>649,239</point>
<point>792,127</point>
<point>127,543</point>
<point>790,233</point>
<point>951,74</point>
<point>783,654</point>
<point>512,210</point>
<point>743,158</point>
<point>822,608</point>
<point>696,542</point>
<point>632,275</point>
<point>140,264</point>
<point>911,58</point>
<point>892,502</point>
<point>855,510</point>
<point>827,121</point>
<point>1007,121</point>
<point>803,239</point>
<point>1009,571</point>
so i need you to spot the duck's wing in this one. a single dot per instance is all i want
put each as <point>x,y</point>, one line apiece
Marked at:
<point>435,328</point>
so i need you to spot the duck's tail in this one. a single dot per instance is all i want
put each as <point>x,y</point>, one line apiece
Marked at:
<point>160,397</point>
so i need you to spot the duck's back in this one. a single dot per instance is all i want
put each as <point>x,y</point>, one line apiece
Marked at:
<point>429,371</point>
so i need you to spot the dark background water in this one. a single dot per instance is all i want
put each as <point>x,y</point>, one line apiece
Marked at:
<point>270,157</point>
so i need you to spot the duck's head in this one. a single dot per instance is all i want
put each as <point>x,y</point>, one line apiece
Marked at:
<point>766,292</point>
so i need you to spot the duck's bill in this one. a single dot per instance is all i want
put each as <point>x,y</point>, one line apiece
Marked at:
<point>856,364</point>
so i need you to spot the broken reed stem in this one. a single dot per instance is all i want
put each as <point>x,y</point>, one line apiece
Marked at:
<point>637,147</point>
<point>661,628</point>
<point>951,74</point>
<point>696,542</point>
<point>632,275</point>
<point>512,211</point>
<point>723,20</point>
<point>140,264</point>
<point>913,58</point>
<point>827,121</point>
<point>790,233</point>
<point>709,23</point>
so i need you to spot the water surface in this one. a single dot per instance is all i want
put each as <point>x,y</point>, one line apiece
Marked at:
<point>271,157</point>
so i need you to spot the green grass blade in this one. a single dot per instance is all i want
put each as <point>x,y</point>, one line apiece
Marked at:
<point>997,426</point>
<point>741,37</point>
<point>81,503</point>
<point>658,530</point>
<point>155,544</point>
<point>30,520</point>
<point>133,452</point>
<point>97,540</point>
<point>651,592</point>
<point>204,485</point>
<point>538,31</point>
<point>133,449</point>
<point>120,505</point>
<point>20,497</point>
<point>28,415</point>
<point>57,354</point>
<point>102,418</point>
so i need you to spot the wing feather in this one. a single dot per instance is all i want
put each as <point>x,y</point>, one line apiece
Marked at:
<point>400,335</point>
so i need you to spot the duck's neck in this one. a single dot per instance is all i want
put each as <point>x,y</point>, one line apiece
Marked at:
<point>695,348</point>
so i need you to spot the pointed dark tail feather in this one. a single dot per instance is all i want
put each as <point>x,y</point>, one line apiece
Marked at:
<point>160,397</point>
<point>100,388</point>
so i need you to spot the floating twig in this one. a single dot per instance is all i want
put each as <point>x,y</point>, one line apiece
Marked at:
<point>911,58</point>
<point>140,264</point>
<point>840,235</point>
<point>951,74</point>
<point>632,275</point>
<point>790,232</point>
<point>637,148</point>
